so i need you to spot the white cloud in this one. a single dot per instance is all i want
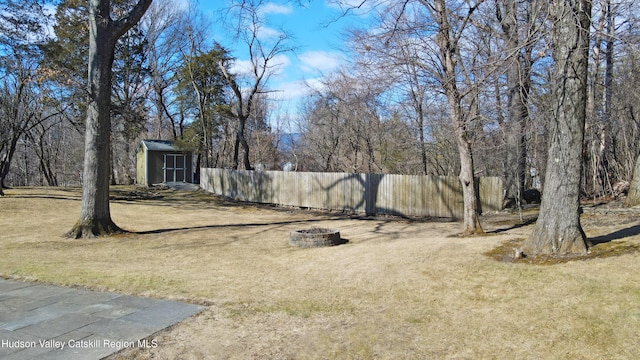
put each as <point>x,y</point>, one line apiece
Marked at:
<point>267,33</point>
<point>279,63</point>
<point>276,66</point>
<point>272,8</point>
<point>180,5</point>
<point>294,90</point>
<point>289,96</point>
<point>241,67</point>
<point>316,85</point>
<point>290,90</point>
<point>320,61</point>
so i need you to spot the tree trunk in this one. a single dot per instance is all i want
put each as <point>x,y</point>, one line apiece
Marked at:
<point>95,215</point>
<point>1,176</point>
<point>236,152</point>
<point>242,114</point>
<point>469,195</point>
<point>7,158</point>
<point>448,50</point>
<point>558,231</point>
<point>243,141</point>
<point>599,112</point>
<point>607,99</point>
<point>633,197</point>
<point>1,184</point>
<point>44,160</point>
<point>518,83</point>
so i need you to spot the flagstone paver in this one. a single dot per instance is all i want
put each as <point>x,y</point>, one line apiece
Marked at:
<point>48,322</point>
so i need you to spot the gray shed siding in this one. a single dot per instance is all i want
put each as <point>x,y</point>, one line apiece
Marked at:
<point>151,165</point>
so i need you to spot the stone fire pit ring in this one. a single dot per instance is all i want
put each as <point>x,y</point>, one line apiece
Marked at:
<point>315,237</point>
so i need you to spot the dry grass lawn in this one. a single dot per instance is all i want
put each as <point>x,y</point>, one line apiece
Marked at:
<point>398,289</point>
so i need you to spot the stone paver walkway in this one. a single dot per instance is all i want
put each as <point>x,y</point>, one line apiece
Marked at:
<point>51,322</point>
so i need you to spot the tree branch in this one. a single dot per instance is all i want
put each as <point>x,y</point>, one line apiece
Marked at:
<point>121,26</point>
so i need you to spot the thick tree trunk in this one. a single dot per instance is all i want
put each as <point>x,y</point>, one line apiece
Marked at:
<point>633,197</point>
<point>558,230</point>
<point>95,215</point>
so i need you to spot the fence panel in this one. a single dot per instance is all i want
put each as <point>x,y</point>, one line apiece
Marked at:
<point>403,195</point>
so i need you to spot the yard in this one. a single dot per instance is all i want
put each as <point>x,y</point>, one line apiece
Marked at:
<point>398,289</point>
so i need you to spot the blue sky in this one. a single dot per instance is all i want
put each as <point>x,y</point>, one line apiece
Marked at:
<point>315,27</point>
<point>317,39</point>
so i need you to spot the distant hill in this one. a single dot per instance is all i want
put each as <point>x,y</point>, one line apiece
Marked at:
<point>288,141</point>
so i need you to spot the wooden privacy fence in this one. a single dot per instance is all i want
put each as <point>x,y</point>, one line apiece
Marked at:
<point>404,195</point>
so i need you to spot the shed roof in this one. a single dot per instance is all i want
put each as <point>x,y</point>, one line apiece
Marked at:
<point>159,145</point>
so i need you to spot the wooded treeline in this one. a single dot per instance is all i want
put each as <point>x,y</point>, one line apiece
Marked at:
<point>391,109</point>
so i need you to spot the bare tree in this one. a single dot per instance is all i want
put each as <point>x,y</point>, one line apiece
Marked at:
<point>447,40</point>
<point>597,178</point>
<point>342,130</point>
<point>173,34</point>
<point>623,124</point>
<point>263,61</point>
<point>518,44</point>
<point>417,96</point>
<point>261,137</point>
<point>22,29</point>
<point>438,28</point>
<point>322,132</point>
<point>47,148</point>
<point>95,215</point>
<point>633,197</point>
<point>558,230</point>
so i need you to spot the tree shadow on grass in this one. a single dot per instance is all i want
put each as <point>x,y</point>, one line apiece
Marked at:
<point>223,226</point>
<point>616,235</point>
<point>44,196</point>
<point>250,231</point>
<point>525,222</point>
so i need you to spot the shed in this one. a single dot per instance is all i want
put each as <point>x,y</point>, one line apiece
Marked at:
<point>159,161</point>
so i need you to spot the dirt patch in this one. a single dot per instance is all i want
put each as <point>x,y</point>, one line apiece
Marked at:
<point>614,222</point>
<point>400,288</point>
<point>508,252</point>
